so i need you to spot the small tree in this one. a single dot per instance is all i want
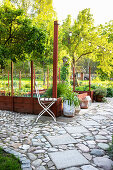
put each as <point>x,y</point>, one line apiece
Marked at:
<point>18,37</point>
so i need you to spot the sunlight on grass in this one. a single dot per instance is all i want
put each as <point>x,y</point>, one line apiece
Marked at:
<point>8,161</point>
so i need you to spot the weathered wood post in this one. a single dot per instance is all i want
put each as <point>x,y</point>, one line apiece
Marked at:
<point>73,78</point>
<point>89,78</point>
<point>8,80</point>
<point>32,79</point>
<point>12,101</point>
<point>11,78</point>
<point>32,102</point>
<point>20,80</point>
<point>48,77</point>
<point>55,59</point>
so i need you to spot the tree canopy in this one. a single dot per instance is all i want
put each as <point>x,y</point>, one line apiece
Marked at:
<point>18,36</point>
<point>26,31</point>
<point>84,39</point>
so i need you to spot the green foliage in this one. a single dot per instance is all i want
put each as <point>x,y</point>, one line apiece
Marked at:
<point>72,98</point>
<point>18,36</point>
<point>102,75</point>
<point>109,92</point>
<point>65,72</point>
<point>64,90</point>
<point>110,149</point>
<point>86,87</point>
<point>61,90</point>
<point>89,42</point>
<point>8,161</point>
<point>27,85</point>
<point>100,91</point>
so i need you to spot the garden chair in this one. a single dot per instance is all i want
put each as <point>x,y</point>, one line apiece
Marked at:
<point>42,102</point>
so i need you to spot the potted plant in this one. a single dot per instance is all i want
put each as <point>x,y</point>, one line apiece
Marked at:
<point>100,93</point>
<point>70,104</point>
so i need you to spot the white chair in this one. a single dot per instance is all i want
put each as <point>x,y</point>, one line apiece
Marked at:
<point>42,102</point>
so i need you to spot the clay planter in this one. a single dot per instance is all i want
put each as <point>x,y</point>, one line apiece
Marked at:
<point>99,98</point>
<point>84,104</point>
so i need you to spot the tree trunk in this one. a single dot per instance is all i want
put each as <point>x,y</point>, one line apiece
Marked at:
<point>75,81</point>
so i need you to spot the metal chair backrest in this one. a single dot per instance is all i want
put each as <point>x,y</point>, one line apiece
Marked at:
<point>37,91</point>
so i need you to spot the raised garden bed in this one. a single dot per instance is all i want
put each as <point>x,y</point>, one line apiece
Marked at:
<point>27,105</point>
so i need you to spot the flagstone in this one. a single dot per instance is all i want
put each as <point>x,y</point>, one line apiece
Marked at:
<point>76,129</point>
<point>66,159</point>
<point>61,139</point>
<point>89,123</point>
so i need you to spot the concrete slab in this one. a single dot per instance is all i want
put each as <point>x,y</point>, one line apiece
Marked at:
<point>98,117</point>
<point>61,139</point>
<point>68,159</point>
<point>87,123</point>
<point>76,129</point>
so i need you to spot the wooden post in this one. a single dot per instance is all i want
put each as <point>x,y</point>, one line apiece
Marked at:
<point>12,101</point>
<point>8,79</point>
<point>89,78</point>
<point>59,74</point>
<point>32,79</point>
<point>11,78</point>
<point>48,77</point>
<point>55,59</point>
<point>20,80</point>
<point>73,78</point>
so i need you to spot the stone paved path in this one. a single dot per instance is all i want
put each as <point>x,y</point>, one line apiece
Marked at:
<point>77,143</point>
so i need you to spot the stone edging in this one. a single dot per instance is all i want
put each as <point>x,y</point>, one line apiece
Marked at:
<point>25,162</point>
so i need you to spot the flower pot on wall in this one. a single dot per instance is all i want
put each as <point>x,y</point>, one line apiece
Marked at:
<point>68,110</point>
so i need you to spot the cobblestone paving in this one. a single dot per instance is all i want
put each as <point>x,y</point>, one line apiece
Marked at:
<point>70,143</point>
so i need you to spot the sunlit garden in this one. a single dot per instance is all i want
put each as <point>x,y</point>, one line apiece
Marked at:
<point>56,88</point>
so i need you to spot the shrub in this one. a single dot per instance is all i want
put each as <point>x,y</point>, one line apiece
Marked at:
<point>61,90</point>
<point>64,90</point>
<point>110,149</point>
<point>100,91</point>
<point>27,85</point>
<point>109,92</point>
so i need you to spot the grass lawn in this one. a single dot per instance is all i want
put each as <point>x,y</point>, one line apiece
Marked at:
<point>8,161</point>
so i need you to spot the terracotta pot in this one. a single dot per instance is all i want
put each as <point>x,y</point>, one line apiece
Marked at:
<point>99,98</point>
<point>84,104</point>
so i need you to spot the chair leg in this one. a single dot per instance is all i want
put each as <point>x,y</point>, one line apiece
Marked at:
<point>48,106</point>
<point>46,109</point>
<point>54,118</point>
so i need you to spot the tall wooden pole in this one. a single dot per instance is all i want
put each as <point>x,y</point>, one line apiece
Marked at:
<point>89,78</point>
<point>11,78</point>
<point>20,80</point>
<point>73,78</point>
<point>8,79</point>
<point>47,77</point>
<point>55,59</point>
<point>32,79</point>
